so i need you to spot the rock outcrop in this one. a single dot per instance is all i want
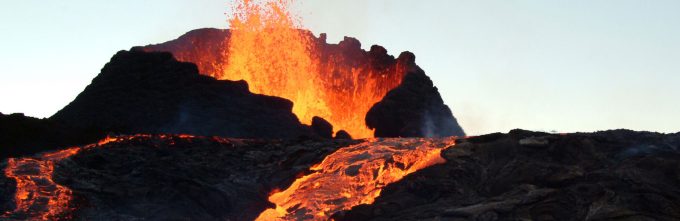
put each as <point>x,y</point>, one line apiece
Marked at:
<point>22,135</point>
<point>612,175</point>
<point>413,109</point>
<point>151,92</point>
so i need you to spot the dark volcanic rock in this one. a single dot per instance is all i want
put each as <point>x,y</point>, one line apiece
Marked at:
<point>140,92</point>
<point>206,44</point>
<point>21,135</point>
<point>7,190</point>
<point>341,134</point>
<point>174,178</point>
<point>322,128</point>
<point>413,109</point>
<point>612,175</point>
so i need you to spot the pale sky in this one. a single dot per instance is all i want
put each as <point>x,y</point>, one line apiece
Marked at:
<point>566,66</point>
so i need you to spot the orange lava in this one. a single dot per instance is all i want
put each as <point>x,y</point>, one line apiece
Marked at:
<point>354,175</point>
<point>268,49</point>
<point>37,196</point>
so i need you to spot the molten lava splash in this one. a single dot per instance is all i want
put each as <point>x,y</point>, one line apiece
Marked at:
<point>37,196</point>
<point>271,55</point>
<point>354,175</point>
<point>266,48</point>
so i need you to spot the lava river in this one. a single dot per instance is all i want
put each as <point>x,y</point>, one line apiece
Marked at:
<point>348,177</point>
<point>37,196</point>
<point>354,175</point>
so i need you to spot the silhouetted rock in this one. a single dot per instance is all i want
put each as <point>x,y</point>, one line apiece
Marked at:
<point>322,128</point>
<point>341,134</point>
<point>524,175</point>
<point>413,109</point>
<point>151,92</point>
<point>21,135</point>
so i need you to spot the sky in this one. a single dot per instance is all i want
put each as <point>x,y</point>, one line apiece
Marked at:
<point>562,66</point>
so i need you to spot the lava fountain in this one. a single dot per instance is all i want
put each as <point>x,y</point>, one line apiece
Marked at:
<point>354,175</point>
<point>267,47</point>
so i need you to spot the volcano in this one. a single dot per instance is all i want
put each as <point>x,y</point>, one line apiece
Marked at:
<point>267,121</point>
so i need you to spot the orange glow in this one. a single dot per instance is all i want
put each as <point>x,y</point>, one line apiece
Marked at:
<point>36,189</point>
<point>37,196</point>
<point>274,58</point>
<point>267,48</point>
<point>353,175</point>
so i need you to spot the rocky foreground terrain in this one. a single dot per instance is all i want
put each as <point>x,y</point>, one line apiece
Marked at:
<point>522,175</point>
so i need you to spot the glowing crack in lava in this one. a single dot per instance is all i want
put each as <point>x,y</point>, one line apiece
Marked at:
<point>354,175</point>
<point>267,48</point>
<point>37,196</point>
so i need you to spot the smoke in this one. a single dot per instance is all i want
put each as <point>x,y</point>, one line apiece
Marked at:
<point>428,126</point>
<point>645,150</point>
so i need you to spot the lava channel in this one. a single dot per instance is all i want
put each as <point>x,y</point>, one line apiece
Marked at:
<point>37,196</point>
<point>354,175</point>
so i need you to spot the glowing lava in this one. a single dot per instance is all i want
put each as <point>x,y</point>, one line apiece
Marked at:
<point>274,58</point>
<point>267,48</point>
<point>37,196</point>
<point>354,175</point>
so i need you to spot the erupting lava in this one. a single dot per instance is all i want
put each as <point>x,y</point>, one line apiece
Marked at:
<point>271,55</point>
<point>267,48</point>
<point>37,196</point>
<point>353,175</point>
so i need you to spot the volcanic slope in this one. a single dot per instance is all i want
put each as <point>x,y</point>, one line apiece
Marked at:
<point>151,92</point>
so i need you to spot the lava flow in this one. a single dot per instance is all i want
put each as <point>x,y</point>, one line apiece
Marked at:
<point>267,48</point>
<point>37,196</point>
<point>354,175</point>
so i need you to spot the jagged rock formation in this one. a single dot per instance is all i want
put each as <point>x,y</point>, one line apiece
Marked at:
<point>612,175</point>
<point>322,127</point>
<point>413,109</point>
<point>21,135</point>
<point>141,92</point>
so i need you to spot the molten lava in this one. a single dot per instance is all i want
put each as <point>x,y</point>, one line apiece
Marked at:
<point>37,196</point>
<point>266,48</point>
<point>350,176</point>
<point>353,175</point>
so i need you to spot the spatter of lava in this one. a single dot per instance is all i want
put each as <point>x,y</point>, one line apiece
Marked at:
<point>37,196</point>
<point>268,49</point>
<point>354,175</point>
